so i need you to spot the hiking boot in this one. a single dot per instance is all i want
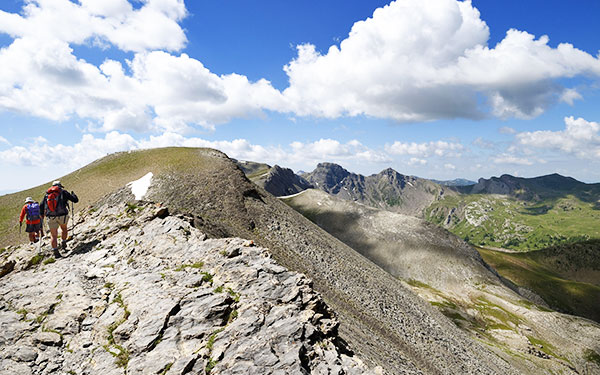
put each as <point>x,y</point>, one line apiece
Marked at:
<point>56,253</point>
<point>63,245</point>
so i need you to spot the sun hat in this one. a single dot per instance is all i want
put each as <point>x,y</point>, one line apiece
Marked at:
<point>57,183</point>
<point>29,200</point>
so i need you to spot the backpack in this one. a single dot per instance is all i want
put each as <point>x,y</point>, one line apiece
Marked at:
<point>52,198</point>
<point>33,211</point>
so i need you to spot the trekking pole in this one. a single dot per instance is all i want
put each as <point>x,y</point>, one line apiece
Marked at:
<point>73,219</point>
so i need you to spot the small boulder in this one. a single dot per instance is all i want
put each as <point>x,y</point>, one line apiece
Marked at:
<point>161,212</point>
<point>47,338</point>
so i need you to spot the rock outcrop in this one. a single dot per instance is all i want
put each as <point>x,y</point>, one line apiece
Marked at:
<point>280,181</point>
<point>144,292</point>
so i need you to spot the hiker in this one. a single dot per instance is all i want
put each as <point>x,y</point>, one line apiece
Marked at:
<point>55,207</point>
<point>31,213</point>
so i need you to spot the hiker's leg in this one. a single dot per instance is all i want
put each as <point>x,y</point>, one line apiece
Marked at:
<point>31,236</point>
<point>64,234</point>
<point>54,237</point>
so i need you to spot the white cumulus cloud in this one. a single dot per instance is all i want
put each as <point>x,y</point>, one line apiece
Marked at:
<point>417,161</point>
<point>580,138</point>
<point>413,60</point>
<point>417,60</point>
<point>156,90</point>
<point>153,26</point>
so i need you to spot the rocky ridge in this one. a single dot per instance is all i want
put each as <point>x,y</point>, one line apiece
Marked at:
<point>142,291</point>
<point>383,321</point>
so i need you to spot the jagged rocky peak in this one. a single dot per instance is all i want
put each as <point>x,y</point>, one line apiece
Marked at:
<point>142,291</point>
<point>332,177</point>
<point>494,185</point>
<point>394,176</point>
<point>387,189</point>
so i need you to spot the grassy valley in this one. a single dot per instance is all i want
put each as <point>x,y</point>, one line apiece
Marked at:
<point>567,277</point>
<point>492,220</point>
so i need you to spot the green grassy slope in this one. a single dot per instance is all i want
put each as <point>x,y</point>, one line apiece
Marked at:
<point>552,274</point>
<point>95,180</point>
<point>503,221</point>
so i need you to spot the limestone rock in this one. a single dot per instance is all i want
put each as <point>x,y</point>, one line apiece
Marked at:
<point>144,292</point>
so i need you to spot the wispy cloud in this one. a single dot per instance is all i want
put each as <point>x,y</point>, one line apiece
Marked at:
<point>90,148</point>
<point>511,159</point>
<point>426,149</point>
<point>507,130</point>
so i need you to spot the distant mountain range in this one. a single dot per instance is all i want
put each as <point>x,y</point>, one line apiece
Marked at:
<point>521,213</point>
<point>455,182</point>
<point>537,188</point>
<point>387,189</point>
<point>507,212</point>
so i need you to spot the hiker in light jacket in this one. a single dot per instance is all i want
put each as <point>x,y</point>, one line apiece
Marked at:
<point>55,206</point>
<point>31,213</point>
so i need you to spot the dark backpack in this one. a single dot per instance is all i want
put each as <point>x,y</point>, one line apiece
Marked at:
<point>52,199</point>
<point>33,211</point>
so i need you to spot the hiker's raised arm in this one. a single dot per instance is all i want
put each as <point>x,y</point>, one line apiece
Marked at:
<point>72,197</point>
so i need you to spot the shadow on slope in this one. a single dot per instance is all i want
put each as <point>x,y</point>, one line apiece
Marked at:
<point>452,276</point>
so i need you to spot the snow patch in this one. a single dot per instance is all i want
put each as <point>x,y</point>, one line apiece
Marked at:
<point>291,196</point>
<point>139,188</point>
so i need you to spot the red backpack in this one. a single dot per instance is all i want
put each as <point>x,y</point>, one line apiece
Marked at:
<point>52,199</point>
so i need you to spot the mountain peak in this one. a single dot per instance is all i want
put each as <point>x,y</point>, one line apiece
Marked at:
<point>388,172</point>
<point>333,167</point>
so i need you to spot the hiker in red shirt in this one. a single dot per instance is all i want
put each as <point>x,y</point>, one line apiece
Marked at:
<point>56,207</point>
<point>31,213</point>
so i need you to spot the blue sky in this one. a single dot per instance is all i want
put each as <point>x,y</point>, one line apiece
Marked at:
<point>438,89</point>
